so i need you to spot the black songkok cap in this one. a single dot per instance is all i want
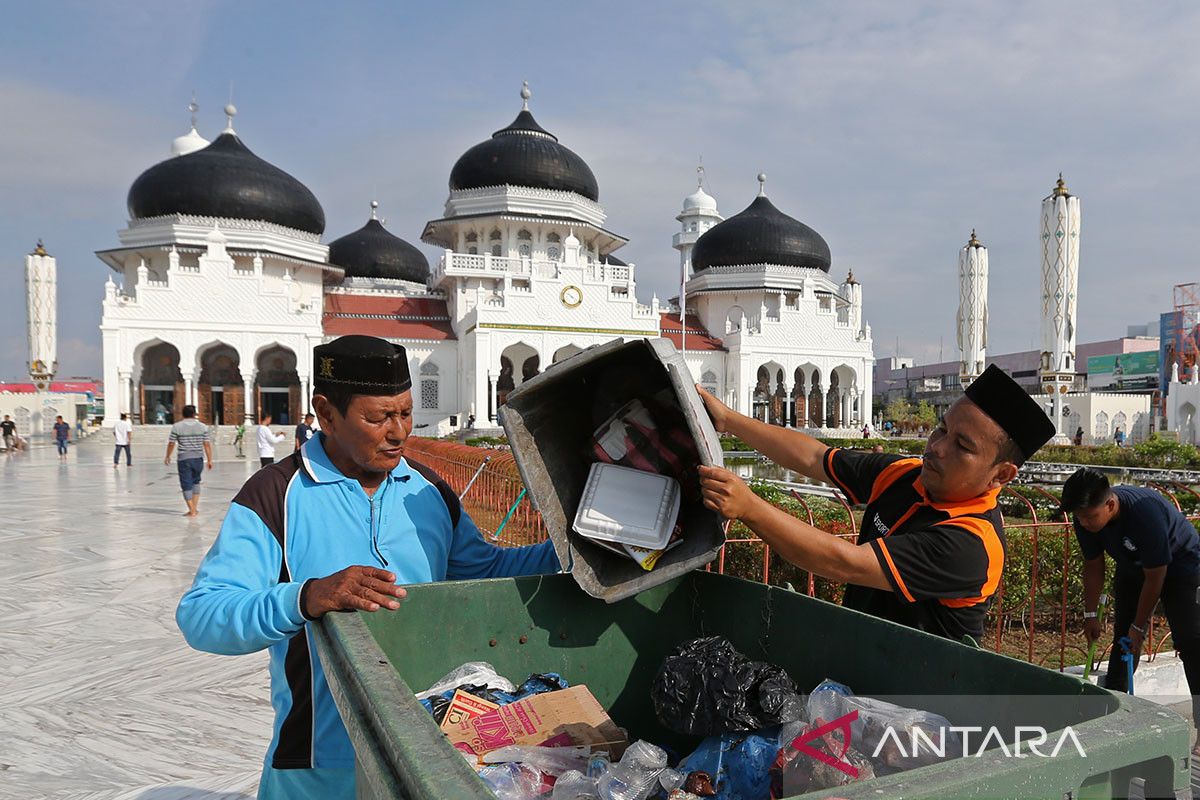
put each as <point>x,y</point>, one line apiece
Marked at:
<point>1012,408</point>
<point>361,365</point>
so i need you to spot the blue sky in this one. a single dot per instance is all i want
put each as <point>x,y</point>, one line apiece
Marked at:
<point>893,128</point>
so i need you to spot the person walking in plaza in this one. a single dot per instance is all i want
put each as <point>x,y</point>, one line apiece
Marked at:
<point>334,526</point>
<point>123,438</point>
<point>62,435</point>
<point>191,437</point>
<point>1078,436</point>
<point>1119,437</point>
<point>931,548</point>
<point>304,431</point>
<point>9,429</point>
<point>239,436</point>
<point>267,439</point>
<point>1156,551</point>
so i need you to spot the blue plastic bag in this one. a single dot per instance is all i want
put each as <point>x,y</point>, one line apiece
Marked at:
<point>739,763</point>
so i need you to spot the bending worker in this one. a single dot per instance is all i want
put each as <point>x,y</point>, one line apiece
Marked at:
<point>931,549</point>
<point>334,527</point>
<point>1157,555</point>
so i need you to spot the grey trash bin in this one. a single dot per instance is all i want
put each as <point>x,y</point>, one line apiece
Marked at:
<point>550,420</point>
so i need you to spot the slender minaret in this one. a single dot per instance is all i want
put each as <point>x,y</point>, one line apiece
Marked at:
<point>41,290</point>
<point>972,310</point>
<point>1060,285</point>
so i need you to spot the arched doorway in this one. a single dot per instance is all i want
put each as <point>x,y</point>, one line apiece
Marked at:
<point>1101,427</point>
<point>563,353</point>
<point>762,394</point>
<point>161,396</point>
<point>833,403</point>
<point>779,400</point>
<point>1187,423</point>
<point>220,393</point>
<point>518,363</point>
<point>799,399</point>
<point>278,385</point>
<point>816,401</point>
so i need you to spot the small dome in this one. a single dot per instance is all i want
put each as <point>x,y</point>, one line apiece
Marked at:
<point>762,234</point>
<point>225,180</point>
<point>373,252</point>
<point>190,142</point>
<point>699,200</point>
<point>524,154</point>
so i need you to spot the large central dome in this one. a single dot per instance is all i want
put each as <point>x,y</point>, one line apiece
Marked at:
<point>762,234</point>
<point>225,180</point>
<point>524,154</point>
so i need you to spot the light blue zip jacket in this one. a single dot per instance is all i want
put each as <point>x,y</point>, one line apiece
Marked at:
<point>301,519</point>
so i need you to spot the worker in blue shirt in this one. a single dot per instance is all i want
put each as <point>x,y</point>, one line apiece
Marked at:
<point>1157,555</point>
<point>334,527</point>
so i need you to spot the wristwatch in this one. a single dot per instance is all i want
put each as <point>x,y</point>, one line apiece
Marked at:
<point>1089,615</point>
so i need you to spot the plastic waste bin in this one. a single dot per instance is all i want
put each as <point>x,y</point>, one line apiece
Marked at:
<point>550,420</point>
<point>375,662</point>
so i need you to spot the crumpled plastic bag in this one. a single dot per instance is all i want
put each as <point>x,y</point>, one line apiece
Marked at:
<point>831,700</point>
<point>474,673</point>
<point>548,760</point>
<point>738,763</point>
<point>706,688</point>
<point>537,683</point>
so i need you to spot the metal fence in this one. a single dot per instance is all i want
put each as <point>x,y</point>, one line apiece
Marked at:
<point>1036,615</point>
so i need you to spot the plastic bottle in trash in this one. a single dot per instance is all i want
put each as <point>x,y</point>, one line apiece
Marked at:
<point>635,776</point>
<point>574,785</point>
<point>512,781</point>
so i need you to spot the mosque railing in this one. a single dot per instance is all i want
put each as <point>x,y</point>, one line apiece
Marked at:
<point>1037,613</point>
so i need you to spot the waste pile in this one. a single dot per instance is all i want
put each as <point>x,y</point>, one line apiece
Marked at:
<point>762,738</point>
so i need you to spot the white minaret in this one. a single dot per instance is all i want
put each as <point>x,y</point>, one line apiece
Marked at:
<point>41,303</point>
<point>1060,286</point>
<point>972,310</point>
<point>698,215</point>
<point>191,141</point>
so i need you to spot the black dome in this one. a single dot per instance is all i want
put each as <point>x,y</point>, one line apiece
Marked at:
<point>373,252</point>
<point>225,180</point>
<point>762,234</point>
<point>524,154</point>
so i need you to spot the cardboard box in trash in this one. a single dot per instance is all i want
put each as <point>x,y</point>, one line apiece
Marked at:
<point>550,420</point>
<point>573,712</point>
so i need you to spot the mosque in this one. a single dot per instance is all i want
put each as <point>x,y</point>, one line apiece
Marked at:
<point>221,285</point>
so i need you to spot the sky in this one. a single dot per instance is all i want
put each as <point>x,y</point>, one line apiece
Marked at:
<point>893,128</point>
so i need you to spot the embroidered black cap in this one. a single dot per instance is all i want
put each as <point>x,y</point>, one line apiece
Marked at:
<point>361,365</point>
<point>1012,408</point>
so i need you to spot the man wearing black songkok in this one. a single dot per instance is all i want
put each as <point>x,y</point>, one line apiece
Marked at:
<point>931,550</point>
<point>339,525</point>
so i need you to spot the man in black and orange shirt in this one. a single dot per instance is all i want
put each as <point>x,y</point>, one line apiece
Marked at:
<point>931,549</point>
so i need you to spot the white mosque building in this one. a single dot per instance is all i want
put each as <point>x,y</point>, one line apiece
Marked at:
<point>221,286</point>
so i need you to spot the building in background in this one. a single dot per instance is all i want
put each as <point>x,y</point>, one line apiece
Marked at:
<point>41,310</point>
<point>1060,292</point>
<point>221,286</point>
<point>972,318</point>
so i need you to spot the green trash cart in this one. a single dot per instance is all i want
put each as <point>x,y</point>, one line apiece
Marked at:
<point>375,663</point>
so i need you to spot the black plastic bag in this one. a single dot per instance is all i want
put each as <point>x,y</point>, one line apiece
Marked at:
<point>706,688</point>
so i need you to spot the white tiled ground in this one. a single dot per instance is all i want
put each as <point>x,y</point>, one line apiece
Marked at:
<point>100,697</point>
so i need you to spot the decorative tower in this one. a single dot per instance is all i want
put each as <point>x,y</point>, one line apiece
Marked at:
<point>1060,284</point>
<point>698,215</point>
<point>191,141</point>
<point>41,291</point>
<point>972,310</point>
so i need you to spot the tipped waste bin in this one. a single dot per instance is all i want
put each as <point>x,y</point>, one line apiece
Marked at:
<point>375,662</point>
<point>551,421</point>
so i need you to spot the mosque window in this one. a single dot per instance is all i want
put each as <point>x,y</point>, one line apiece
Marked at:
<point>473,250</point>
<point>472,237</point>
<point>429,385</point>
<point>496,250</point>
<point>553,253</point>
<point>553,237</point>
<point>524,235</point>
<point>495,236</point>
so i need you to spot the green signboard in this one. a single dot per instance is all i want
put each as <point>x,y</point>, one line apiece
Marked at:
<point>1123,371</point>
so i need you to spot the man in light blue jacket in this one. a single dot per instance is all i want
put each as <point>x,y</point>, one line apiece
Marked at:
<point>335,526</point>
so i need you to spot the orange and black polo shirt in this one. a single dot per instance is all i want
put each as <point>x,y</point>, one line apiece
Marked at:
<point>944,560</point>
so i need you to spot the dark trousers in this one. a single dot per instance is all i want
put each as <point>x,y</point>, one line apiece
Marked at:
<point>1179,600</point>
<point>128,455</point>
<point>265,460</point>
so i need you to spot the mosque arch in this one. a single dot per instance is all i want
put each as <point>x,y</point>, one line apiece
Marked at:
<point>277,384</point>
<point>1119,421</point>
<point>734,319</point>
<point>160,386</point>
<point>518,363</point>
<point>565,352</point>
<point>1101,426</point>
<point>220,391</point>
<point>1187,423</point>
<point>708,379</point>
<point>816,400</point>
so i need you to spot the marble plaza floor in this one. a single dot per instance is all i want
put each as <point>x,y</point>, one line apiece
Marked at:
<point>100,698</point>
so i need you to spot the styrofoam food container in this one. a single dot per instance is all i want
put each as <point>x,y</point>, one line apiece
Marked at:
<point>628,506</point>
